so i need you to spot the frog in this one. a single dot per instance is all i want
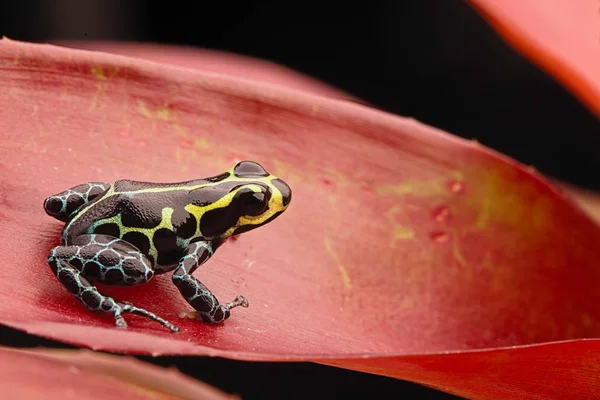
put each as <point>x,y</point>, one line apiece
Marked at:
<point>126,232</point>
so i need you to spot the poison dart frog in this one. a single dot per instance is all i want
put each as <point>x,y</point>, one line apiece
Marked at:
<point>126,232</point>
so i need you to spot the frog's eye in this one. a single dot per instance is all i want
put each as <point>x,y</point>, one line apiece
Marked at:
<point>254,203</point>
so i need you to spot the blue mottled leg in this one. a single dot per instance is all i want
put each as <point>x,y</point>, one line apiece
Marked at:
<point>194,292</point>
<point>62,205</point>
<point>106,259</point>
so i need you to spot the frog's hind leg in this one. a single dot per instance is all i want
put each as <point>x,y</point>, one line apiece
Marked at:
<point>106,259</point>
<point>62,205</point>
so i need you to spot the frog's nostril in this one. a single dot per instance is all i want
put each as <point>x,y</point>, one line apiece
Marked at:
<point>287,197</point>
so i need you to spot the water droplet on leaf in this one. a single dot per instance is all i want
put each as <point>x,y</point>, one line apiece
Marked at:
<point>123,133</point>
<point>439,237</point>
<point>455,186</point>
<point>441,213</point>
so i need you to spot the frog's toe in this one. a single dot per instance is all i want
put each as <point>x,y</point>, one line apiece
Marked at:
<point>129,308</point>
<point>239,301</point>
<point>120,322</point>
<point>243,301</point>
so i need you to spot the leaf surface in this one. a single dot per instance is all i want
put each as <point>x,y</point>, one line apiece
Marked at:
<point>215,61</point>
<point>82,374</point>
<point>406,251</point>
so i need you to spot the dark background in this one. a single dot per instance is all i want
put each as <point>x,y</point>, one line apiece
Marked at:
<point>433,60</point>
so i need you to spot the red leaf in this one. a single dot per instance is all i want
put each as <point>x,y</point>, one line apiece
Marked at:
<point>220,62</point>
<point>588,200</point>
<point>402,242</point>
<point>72,374</point>
<point>547,371</point>
<point>561,36</point>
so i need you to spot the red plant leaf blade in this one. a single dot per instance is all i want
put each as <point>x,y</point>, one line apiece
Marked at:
<point>401,239</point>
<point>561,36</point>
<point>548,371</point>
<point>215,61</point>
<point>77,374</point>
<point>588,200</point>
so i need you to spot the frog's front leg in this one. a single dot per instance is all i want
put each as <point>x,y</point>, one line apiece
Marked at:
<point>61,205</point>
<point>105,259</point>
<point>194,292</point>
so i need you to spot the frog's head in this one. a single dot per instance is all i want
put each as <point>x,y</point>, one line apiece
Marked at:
<point>251,198</point>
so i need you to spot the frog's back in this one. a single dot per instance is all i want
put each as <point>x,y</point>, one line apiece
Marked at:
<point>150,216</point>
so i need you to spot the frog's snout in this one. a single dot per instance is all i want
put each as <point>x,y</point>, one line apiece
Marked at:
<point>285,190</point>
<point>53,206</point>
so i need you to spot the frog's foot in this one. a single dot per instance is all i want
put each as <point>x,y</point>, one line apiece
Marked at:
<point>222,311</point>
<point>195,292</point>
<point>121,308</point>
<point>240,300</point>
